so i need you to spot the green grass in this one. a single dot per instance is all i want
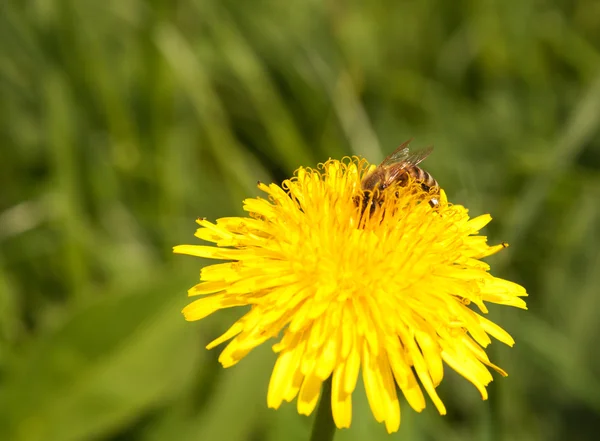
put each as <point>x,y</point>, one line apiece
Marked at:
<point>122,121</point>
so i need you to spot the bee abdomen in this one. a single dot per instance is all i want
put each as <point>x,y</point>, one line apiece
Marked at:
<point>429,181</point>
<point>421,176</point>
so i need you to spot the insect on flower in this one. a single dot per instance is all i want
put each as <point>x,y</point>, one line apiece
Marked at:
<point>398,168</point>
<point>391,297</point>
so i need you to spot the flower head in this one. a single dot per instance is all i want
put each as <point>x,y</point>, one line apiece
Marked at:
<point>392,293</point>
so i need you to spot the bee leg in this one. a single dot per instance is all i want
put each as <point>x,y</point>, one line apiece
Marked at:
<point>364,202</point>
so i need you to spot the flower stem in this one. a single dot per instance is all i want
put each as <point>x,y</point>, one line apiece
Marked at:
<point>323,427</point>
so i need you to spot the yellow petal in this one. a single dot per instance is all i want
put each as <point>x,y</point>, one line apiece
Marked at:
<point>204,307</point>
<point>309,394</point>
<point>341,402</point>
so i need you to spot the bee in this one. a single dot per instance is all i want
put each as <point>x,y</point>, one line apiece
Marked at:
<point>398,168</point>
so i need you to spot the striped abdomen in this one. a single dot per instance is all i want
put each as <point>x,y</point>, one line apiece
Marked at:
<point>418,174</point>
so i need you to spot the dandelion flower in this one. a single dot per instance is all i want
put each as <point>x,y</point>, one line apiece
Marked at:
<point>391,295</point>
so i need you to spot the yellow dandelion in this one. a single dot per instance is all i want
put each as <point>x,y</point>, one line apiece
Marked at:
<point>390,293</point>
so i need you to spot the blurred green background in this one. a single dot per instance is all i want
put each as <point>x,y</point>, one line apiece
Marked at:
<point>121,121</point>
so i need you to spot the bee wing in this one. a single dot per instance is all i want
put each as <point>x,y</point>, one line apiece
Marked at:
<point>404,155</point>
<point>398,155</point>
<point>402,158</point>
